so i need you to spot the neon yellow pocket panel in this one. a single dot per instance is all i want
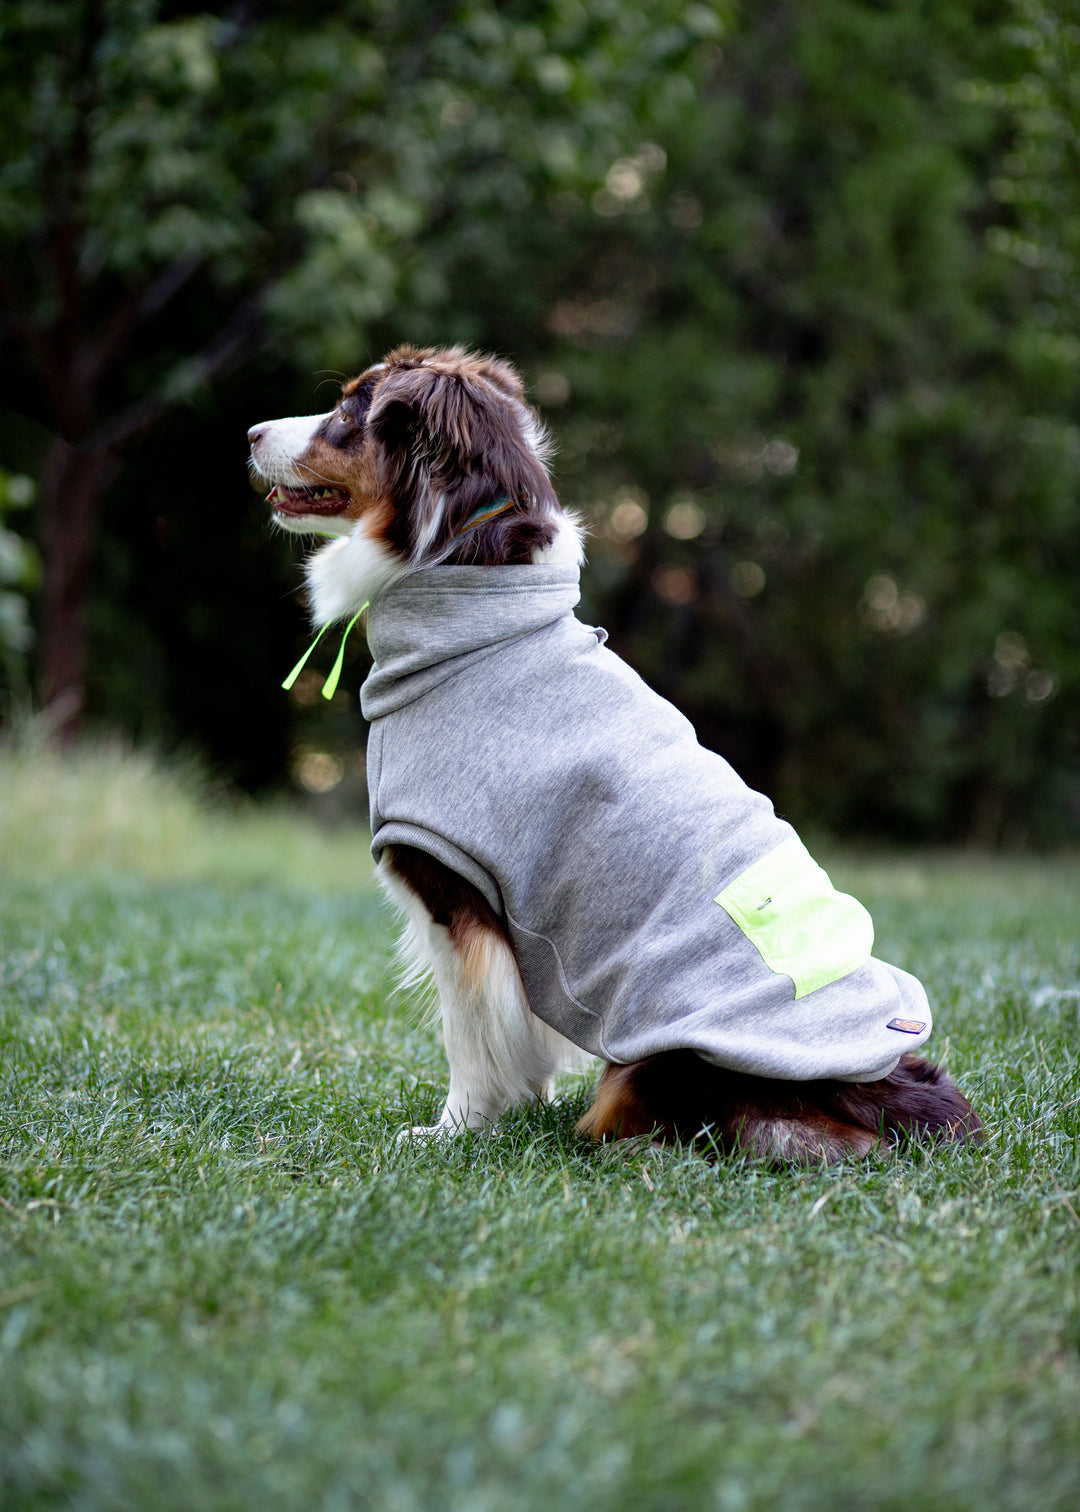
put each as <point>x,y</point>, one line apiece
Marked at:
<point>803,928</point>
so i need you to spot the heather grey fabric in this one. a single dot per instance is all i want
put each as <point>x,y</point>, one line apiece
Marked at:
<point>510,743</point>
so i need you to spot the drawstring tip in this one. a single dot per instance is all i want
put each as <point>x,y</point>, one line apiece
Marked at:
<point>296,671</point>
<point>330,686</point>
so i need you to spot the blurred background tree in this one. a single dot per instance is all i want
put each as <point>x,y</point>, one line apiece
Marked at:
<point>20,572</point>
<point>773,277</point>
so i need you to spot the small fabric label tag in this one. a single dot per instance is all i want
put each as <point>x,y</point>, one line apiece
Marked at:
<point>906,1026</point>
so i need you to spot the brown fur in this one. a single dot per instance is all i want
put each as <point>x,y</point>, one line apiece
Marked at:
<point>679,1096</point>
<point>447,424</point>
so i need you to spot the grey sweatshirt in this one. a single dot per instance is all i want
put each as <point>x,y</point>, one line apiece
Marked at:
<point>654,900</point>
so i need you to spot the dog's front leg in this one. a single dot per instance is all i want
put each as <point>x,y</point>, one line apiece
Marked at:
<point>469,1012</point>
<point>499,1054</point>
<point>476,1015</point>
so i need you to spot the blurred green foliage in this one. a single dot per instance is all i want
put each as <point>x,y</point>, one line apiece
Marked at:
<point>791,285</point>
<point>871,407</point>
<point>1039,175</point>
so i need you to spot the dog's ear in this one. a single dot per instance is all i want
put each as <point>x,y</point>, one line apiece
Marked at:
<point>444,421</point>
<point>452,432</point>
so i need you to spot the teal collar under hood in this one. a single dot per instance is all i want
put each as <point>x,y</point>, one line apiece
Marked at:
<point>439,620</point>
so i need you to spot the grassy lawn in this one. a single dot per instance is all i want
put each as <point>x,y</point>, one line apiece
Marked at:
<point>223,1287</point>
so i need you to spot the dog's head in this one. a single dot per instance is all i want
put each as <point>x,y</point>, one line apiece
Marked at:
<point>432,456</point>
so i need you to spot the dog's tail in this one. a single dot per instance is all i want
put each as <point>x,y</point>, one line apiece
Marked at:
<point>679,1096</point>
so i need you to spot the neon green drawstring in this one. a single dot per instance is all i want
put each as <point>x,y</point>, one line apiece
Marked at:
<point>481,516</point>
<point>329,687</point>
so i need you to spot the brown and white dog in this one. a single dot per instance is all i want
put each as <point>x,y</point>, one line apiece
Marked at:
<point>397,470</point>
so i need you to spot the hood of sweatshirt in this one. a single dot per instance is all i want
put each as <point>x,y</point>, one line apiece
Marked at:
<point>437,621</point>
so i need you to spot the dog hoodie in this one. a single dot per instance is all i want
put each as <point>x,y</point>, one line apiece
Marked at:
<point>655,902</point>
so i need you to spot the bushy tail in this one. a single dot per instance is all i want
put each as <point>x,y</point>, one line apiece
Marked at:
<point>678,1095</point>
<point>916,1098</point>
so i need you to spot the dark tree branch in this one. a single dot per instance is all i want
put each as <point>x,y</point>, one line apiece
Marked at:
<point>143,301</point>
<point>168,282</point>
<point>229,348</point>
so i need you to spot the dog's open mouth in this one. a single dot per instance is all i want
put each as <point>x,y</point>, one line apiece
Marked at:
<point>308,501</point>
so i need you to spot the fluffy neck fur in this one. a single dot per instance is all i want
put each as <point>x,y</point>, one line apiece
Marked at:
<point>350,572</point>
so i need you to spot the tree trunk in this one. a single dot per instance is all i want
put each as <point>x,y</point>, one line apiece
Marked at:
<point>72,486</point>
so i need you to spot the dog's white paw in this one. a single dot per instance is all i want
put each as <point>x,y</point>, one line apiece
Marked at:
<point>449,1126</point>
<point>427,1132</point>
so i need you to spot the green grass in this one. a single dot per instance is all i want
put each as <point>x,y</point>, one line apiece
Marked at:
<point>222,1286</point>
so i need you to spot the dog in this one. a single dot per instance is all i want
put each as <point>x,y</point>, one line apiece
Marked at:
<point>576,874</point>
